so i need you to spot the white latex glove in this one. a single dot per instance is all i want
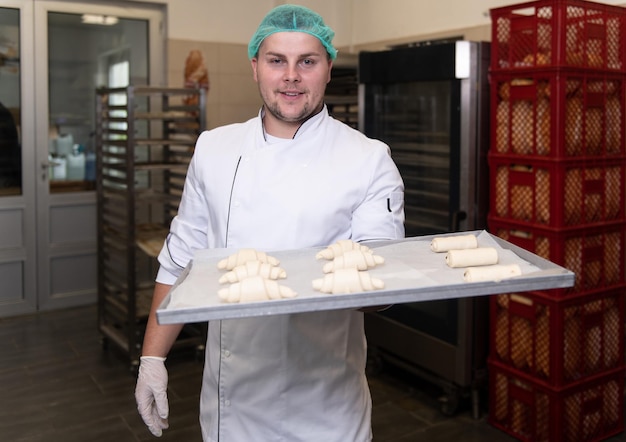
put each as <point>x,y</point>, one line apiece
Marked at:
<point>151,393</point>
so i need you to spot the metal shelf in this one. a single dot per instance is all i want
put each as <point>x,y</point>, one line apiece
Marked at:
<point>144,142</point>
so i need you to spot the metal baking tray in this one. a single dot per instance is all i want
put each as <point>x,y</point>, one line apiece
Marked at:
<point>411,272</point>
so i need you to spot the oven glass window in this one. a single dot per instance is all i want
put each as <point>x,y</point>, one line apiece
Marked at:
<point>418,123</point>
<point>414,119</point>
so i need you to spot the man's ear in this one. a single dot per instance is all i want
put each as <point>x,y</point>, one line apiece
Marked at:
<point>330,70</point>
<point>254,63</point>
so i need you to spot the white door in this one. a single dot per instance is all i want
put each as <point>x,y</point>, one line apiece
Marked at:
<point>18,290</point>
<point>65,50</point>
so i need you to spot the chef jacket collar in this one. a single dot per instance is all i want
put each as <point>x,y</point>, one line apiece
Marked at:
<point>312,121</point>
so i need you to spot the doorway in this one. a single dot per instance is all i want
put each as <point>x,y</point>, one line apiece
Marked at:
<point>53,56</point>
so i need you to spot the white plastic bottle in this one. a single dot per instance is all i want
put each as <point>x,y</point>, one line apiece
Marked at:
<point>76,164</point>
<point>59,168</point>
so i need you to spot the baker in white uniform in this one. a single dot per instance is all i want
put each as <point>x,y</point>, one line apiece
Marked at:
<point>292,177</point>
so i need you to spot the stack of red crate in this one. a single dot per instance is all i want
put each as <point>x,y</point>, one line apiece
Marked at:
<point>557,182</point>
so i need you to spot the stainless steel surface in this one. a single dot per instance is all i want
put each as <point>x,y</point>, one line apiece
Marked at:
<point>436,125</point>
<point>408,285</point>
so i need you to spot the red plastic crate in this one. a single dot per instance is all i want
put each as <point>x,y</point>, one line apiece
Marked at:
<point>558,33</point>
<point>594,254</point>
<point>558,341</point>
<point>588,411</point>
<point>558,114</point>
<point>557,194</point>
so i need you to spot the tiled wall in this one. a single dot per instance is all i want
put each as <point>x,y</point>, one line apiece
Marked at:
<point>233,95</point>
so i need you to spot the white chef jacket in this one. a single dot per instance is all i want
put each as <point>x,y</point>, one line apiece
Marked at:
<point>296,377</point>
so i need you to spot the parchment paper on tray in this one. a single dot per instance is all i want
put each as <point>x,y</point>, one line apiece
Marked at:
<point>411,272</point>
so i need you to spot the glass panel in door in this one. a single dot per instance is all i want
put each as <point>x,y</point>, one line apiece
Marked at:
<point>17,180</point>
<point>10,104</point>
<point>50,65</point>
<point>86,51</point>
<point>78,48</point>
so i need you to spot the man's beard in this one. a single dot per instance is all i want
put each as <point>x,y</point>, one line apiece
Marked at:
<point>274,109</point>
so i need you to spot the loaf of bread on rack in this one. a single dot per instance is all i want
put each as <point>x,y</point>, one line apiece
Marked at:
<point>196,73</point>
<point>614,125</point>
<point>503,127</point>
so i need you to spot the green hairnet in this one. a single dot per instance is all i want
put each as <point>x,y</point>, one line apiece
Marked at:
<point>292,18</point>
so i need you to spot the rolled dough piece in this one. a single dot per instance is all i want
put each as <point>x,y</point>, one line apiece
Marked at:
<point>491,273</point>
<point>354,259</point>
<point>458,242</point>
<point>255,288</point>
<point>253,268</point>
<point>340,247</point>
<point>243,256</point>
<point>482,256</point>
<point>347,281</point>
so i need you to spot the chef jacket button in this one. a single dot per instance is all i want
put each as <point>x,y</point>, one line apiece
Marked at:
<point>226,353</point>
<point>227,403</point>
<point>246,159</point>
<point>236,203</point>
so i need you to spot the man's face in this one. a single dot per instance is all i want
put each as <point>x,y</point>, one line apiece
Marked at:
<point>291,70</point>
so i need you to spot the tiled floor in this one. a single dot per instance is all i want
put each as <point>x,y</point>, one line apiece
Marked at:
<point>57,384</point>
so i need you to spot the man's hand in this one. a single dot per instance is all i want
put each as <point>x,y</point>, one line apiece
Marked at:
<point>151,394</point>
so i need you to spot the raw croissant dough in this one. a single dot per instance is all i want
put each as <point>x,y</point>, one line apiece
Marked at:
<point>491,273</point>
<point>347,281</point>
<point>253,275</point>
<point>480,256</point>
<point>357,259</point>
<point>255,288</point>
<point>253,268</point>
<point>458,242</point>
<point>243,256</point>
<point>340,247</point>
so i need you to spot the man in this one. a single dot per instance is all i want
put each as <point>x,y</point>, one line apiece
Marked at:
<point>10,151</point>
<point>293,177</point>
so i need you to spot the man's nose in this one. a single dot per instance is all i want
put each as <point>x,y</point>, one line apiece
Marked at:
<point>291,73</point>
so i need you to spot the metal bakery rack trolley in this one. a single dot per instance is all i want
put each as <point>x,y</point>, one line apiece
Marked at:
<point>145,137</point>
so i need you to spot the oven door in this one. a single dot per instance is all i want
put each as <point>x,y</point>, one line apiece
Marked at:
<point>420,122</point>
<point>413,100</point>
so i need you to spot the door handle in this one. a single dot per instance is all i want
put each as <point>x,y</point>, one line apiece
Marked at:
<point>46,166</point>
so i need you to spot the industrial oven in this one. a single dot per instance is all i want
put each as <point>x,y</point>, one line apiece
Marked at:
<point>429,102</point>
